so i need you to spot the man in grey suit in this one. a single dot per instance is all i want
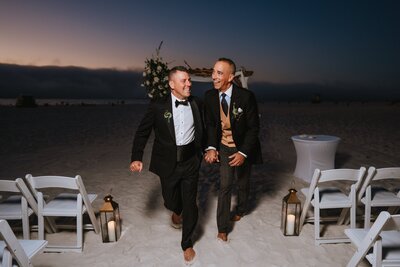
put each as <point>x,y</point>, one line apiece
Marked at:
<point>232,126</point>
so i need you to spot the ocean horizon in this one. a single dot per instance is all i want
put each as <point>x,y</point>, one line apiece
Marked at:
<point>76,102</point>
<point>56,102</point>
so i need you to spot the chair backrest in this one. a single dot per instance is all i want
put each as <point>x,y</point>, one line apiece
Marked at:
<point>343,175</point>
<point>9,186</point>
<point>39,182</point>
<point>376,175</point>
<point>12,244</point>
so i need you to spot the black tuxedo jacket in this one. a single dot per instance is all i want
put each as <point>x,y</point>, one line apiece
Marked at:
<point>159,118</point>
<point>244,119</point>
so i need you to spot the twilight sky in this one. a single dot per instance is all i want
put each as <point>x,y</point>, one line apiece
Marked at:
<point>325,42</point>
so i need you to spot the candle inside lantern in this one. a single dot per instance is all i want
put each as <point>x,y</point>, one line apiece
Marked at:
<point>111,231</point>
<point>290,221</point>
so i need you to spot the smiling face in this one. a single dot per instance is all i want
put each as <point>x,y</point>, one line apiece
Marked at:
<point>222,76</point>
<point>180,84</point>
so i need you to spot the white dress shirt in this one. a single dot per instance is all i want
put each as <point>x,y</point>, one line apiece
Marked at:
<point>227,97</point>
<point>183,123</point>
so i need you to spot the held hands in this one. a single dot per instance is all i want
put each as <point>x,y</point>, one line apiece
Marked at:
<point>237,159</point>
<point>211,156</point>
<point>136,166</point>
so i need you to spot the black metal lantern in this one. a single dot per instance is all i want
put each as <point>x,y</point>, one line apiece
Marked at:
<point>291,211</point>
<point>110,220</point>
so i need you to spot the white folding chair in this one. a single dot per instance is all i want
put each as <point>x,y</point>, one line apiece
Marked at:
<point>379,192</point>
<point>22,251</point>
<point>332,196</point>
<point>383,238</point>
<point>64,205</point>
<point>15,207</point>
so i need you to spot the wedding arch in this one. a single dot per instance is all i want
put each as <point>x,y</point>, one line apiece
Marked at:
<point>204,75</point>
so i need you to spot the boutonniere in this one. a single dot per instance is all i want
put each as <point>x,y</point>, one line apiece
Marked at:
<point>167,115</point>
<point>237,111</point>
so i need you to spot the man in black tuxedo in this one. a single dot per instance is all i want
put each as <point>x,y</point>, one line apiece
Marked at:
<point>232,126</point>
<point>177,152</point>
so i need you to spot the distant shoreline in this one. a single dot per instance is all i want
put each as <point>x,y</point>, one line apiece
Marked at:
<point>65,102</point>
<point>76,102</point>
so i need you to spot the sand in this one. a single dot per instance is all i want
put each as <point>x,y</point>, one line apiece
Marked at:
<point>95,142</point>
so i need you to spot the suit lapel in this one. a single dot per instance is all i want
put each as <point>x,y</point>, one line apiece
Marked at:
<point>170,122</point>
<point>234,101</point>
<point>216,104</point>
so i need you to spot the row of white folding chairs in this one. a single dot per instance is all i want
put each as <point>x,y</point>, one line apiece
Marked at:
<point>73,204</point>
<point>345,197</point>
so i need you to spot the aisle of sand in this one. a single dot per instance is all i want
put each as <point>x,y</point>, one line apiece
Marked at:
<point>95,142</point>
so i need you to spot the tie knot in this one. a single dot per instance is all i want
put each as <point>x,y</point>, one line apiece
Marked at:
<point>177,103</point>
<point>223,95</point>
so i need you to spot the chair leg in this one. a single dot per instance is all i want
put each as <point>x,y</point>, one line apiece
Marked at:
<point>317,225</point>
<point>367,215</point>
<point>316,218</point>
<point>7,258</point>
<point>25,218</point>
<point>79,223</point>
<point>377,253</point>
<point>40,216</point>
<point>41,227</point>
<point>25,227</point>
<point>79,231</point>
<point>353,217</point>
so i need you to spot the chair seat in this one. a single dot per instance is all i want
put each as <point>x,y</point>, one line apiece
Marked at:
<point>33,247</point>
<point>332,198</point>
<point>356,235</point>
<point>383,198</point>
<point>11,208</point>
<point>390,242</point>
<point>30,247</point>
<point>65,205</point>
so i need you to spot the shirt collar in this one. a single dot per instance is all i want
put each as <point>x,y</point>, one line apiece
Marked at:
<point>175,98</point>
<point>228,92</point>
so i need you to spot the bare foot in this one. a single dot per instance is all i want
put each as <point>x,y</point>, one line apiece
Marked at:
<point>236,218</point>
<point>189,255</point>
<point>223,237</point>
<point>176,221</point>
<point>176,218</point>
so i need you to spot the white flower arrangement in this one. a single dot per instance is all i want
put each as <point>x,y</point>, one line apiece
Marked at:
<point>155,76</point>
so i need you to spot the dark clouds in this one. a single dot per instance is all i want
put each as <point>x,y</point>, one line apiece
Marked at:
<point>76,82</point>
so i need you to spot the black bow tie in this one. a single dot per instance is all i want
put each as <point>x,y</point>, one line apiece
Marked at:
<point>177,103</point>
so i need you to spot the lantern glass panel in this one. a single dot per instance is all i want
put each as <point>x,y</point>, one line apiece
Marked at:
<point>110,220</point>
<point>290,214</point>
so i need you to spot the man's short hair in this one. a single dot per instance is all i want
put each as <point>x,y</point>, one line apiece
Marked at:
<point>230,62</point>
<point>175,70</point>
